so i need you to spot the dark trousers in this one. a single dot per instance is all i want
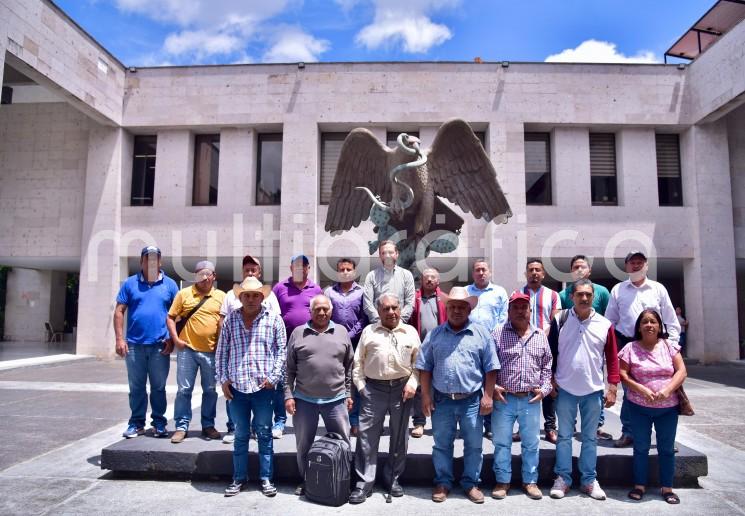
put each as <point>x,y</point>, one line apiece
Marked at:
<point>665,422</point>
<point>621,341</point>
<point>335,419</point>
<point>417,413</point>
<point>377,399</point>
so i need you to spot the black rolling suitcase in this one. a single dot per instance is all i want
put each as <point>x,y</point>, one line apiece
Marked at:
<point>328,472</point>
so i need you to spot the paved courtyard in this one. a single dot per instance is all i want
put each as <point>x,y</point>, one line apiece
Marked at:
<point>55,420</point>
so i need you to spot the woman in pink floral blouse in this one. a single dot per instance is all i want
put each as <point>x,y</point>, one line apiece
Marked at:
<point>652,369</point>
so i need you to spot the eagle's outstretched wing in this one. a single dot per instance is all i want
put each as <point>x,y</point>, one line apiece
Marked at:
<point>462,173</point>
<point>363,162</point>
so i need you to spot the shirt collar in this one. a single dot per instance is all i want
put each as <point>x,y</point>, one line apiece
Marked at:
<point>308,284</point>
<point>592,314</point>
<point>533,329</point>
<point>489,286</point>
<point>646,284</point>
<point>141,277</point>
<point>329,329</point>
<point>337,287</point>
<point>399,328</point>
<point>196,293</point>
<point>466,328</point>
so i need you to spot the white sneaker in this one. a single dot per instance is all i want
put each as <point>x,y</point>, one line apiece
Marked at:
<point>228,438</point>
<point>593,490</point>
<point>559,489</point>
<point>277,433</point>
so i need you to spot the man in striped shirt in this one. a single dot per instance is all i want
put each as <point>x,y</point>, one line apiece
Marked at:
<point>522,381</point>
<point>544,305</point>
<point>250,362</point>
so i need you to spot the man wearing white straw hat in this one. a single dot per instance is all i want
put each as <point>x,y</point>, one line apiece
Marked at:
<point>459,362</point>
<point>250,361</point>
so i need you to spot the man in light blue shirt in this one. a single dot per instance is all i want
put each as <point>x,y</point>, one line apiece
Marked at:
<point>457,359</point>
<point>491,309</point>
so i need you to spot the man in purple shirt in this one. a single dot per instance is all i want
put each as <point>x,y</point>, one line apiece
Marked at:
<point>294,295</point>
<point>346,298</point>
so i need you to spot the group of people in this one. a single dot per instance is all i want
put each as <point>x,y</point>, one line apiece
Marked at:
<point>474,359</point>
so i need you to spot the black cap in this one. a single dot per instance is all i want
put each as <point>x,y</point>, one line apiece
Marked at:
<point>151,249</point>
<point>633,254</point>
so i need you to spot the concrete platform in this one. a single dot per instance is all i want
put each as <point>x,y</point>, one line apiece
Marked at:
<point>197,457</point>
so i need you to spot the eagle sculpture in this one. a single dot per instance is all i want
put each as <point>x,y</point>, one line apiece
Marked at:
<point>403,183</point>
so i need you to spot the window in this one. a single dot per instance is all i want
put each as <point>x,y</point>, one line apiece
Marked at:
<point>269,170</point>
<point>143,171</point>
<point>538,168</point>
<point>481,135</point>
<point>669,185</point>
<point>206,163</point>
<point>330,151</point>
<point>603,169</point>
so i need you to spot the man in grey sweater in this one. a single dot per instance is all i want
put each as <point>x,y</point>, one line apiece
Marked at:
<point>319,378</point>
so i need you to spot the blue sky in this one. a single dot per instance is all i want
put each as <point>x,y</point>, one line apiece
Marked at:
<point>174,32</point>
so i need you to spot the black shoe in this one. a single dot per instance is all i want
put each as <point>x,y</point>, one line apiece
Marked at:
<point>267,488</point>
<point>359,495</point>
<point>300,490</point>
<point>395,489</point>
<point>234,488</point>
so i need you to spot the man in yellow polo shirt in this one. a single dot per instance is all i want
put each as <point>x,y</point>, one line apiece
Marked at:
<point>200,305</point>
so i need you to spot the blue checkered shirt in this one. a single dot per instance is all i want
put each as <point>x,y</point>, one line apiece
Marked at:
<point>525,363</point>
<point>458,360</point>
<point>247,357</point>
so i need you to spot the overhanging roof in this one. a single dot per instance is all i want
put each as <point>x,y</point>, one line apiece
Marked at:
<point>717,21</point>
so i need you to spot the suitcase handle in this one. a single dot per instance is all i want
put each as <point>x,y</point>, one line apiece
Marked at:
<point>336,436</point>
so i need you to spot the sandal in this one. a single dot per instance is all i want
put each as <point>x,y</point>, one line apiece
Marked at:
<point>671,498</point>
<point>636,494</point>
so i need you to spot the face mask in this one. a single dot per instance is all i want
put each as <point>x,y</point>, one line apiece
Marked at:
<point>638,275</point>
<point>345,277</point>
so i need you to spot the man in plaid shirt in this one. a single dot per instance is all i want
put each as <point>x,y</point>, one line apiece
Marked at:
<point>522,382</point>
<point>250,361</point>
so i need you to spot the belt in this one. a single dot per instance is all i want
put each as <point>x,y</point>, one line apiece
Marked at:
<point>520,394</point>
<point>455,396</point>
<point>390,383</point>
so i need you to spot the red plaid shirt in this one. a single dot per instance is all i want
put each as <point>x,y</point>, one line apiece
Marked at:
<point>525,363</point>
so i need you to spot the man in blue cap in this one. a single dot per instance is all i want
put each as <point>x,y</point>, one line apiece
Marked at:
<point>147,296</point>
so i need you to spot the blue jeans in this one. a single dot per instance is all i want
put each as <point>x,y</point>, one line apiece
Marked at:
<point>144,362</point>
<point>354,414</point>
<point>625,422</point>
<point>242,406</point>
<point>566,414</point>
<point>188,362</point>
<point>665,422</point>
<point>445,418</point>
<point>528,416</point>
<point>280,414</point>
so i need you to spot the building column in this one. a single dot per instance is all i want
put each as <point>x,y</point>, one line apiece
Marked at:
<point>710,278</point>
<point>299,210</point>
<point>506,245</point>
<point>102,268</point>
<point>570,167</point>
<point>174,170</point>
<point>636,167</point>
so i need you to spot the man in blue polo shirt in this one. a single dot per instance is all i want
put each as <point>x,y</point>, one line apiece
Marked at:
<point>147,296</point>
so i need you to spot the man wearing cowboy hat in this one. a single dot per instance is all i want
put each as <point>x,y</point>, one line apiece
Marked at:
<point>250,360</point>
<point>457,359</point>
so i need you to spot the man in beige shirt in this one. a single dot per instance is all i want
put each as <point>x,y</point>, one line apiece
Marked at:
<point>386,379</point>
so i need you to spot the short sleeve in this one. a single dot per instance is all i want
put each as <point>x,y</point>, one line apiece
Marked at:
<point>673,348</point>
<point>122,297</point>
<point>625,353</point>
<point>177,305</point>
<point>489,358</point>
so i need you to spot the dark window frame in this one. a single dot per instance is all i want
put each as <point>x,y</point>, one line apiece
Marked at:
<point>603,169</point>
<point>541,186</point>
<point>669,172</point>
<point>272,199</point>
<point>212,140</point>
<point>142,187</point>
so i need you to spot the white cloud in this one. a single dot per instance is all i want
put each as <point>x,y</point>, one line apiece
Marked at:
<point>293,45</point>
<point>209,28</point>
<point>594,51</point>
<point>202,44</point>
<point>407,23</point>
